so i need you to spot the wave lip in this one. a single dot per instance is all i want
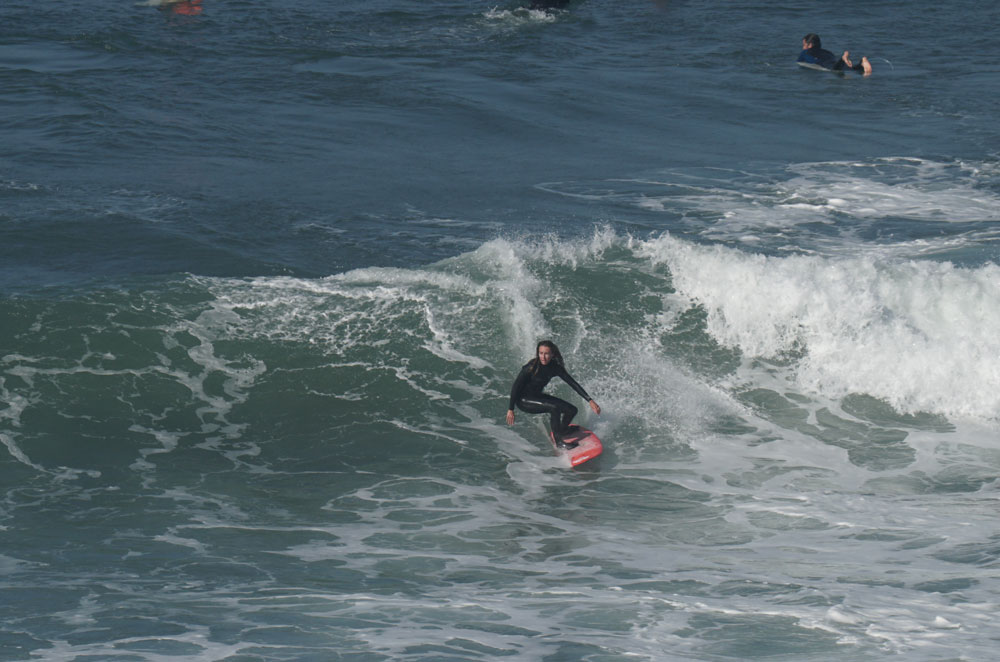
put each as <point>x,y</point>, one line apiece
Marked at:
<point>918,334</point>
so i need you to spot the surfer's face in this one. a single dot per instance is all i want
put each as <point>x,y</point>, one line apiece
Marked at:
<point>544,354</point>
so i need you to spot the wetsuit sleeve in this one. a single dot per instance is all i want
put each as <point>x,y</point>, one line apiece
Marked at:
<point>820,56</point>
<point>515,390</point>
<point>573,384</point>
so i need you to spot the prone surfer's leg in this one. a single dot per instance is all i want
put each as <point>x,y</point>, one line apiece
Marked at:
<point>864,67</point>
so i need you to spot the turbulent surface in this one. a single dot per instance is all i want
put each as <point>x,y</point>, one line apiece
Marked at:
<point>267,272</point>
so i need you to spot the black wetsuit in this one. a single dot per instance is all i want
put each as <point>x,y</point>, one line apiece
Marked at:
<point>549,4</point>
<point>527,395</point>
<point>826,59</point>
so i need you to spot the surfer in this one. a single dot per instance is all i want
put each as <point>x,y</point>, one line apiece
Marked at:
<point>527,395</point>
<point>549,4</point>
<point>185,7</point>
<point>814,53</point>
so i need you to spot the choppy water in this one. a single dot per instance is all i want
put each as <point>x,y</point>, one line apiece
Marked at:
<point>267,272</point>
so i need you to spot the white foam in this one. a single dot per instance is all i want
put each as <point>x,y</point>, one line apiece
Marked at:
<point>846,198</point>
<point>519,16</point>
<point>168,443</point>
<point>920,335</point>
<point>917,189</point>
<point>16,452</point>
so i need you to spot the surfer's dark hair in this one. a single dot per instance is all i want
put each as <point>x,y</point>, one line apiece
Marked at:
<point>556,354</point>
<point>813,40</point>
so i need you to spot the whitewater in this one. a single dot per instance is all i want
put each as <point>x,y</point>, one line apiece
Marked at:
<point>268,271</point>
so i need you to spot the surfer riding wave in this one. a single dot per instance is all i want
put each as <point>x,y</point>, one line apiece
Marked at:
<point>528,396</point>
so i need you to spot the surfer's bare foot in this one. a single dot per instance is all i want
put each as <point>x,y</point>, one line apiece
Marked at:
<point>866,66</point>
<point>846,57</point>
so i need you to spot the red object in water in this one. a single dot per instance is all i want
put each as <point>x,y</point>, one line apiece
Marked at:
<point>188,7</point>
<point>588,445</point>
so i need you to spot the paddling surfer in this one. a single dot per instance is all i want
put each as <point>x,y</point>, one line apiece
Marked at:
<point>814,53</point>
<point>549,4</point>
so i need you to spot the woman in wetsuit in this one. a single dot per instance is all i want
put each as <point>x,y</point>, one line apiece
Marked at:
<point>527,395</point>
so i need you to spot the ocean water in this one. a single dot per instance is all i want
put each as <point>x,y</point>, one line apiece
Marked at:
<point>267,271</point>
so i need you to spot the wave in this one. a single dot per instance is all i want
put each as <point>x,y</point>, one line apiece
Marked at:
<point>677,339</point>
<point>915,334</point>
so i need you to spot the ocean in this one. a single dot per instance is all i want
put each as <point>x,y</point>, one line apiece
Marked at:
<point>269,269</point>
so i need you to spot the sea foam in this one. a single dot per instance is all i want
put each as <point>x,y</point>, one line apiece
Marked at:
<point>917,334</point>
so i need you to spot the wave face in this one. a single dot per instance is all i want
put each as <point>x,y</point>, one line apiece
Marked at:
<point>283,460</point>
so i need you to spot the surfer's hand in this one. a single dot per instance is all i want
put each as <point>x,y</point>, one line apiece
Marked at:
<point>510,417</point>
<point>596,407</point>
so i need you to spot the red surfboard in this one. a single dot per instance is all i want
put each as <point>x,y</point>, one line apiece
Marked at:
<point>588,445</point>
<point>188,7</point>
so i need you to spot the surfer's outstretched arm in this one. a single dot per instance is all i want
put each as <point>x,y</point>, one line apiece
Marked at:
<point>515,391</point>
<point>565,376</point>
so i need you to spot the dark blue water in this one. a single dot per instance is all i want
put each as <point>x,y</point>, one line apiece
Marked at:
<point>267,271</point>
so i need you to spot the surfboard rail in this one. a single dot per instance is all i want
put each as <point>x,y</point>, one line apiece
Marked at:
<point>588,445</point>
